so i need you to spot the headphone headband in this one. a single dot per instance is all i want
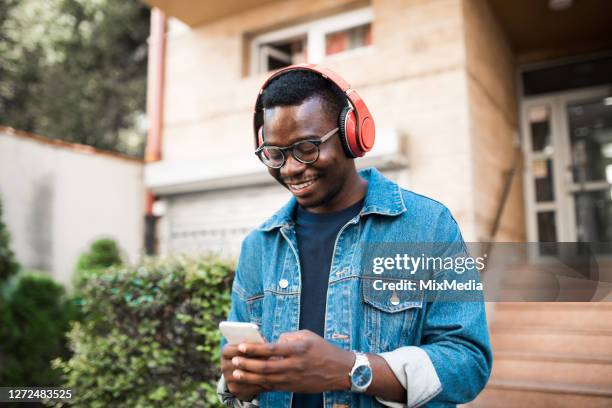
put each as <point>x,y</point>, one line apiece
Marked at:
<point>360,131</point>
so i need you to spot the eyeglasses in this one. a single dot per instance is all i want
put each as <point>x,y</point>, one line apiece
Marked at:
<point>304,151</point>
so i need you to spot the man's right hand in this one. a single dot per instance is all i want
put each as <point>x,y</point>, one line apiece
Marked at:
<point>242,391</point>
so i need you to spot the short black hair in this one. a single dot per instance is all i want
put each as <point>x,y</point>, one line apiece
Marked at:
<point>294,87</point>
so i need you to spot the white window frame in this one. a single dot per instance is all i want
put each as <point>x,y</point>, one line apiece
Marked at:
<point>315,32</point>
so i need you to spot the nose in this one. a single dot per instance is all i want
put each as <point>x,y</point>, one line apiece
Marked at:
<point>292,167</point>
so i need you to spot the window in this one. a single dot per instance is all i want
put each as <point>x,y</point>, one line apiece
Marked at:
<point>278,54</point>
<point>348,39</point>
<point>313,41</point>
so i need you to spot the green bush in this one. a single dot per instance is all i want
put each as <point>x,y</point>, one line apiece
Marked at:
<point>102,254</point>
<point>7,333</point>
<point>36,315</point>
<point>34,318</point>
<point>8,265</point>
<point>149,335</point>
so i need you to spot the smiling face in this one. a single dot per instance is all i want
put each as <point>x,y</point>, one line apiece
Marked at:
<point>329,184</point>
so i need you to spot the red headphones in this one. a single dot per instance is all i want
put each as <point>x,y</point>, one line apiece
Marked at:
<point>355,124</point>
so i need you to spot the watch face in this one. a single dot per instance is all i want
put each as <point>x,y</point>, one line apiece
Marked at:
<point>362,376</point>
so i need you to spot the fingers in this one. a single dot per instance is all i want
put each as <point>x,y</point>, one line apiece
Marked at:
<point>229,351</point>
<point>266,381</point>
<point>271,366</point>
<point>284,349</point>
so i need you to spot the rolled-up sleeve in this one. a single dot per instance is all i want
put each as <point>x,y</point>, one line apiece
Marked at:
<point>229,400</point>
<point>454,363</point>
<point>415,371</point>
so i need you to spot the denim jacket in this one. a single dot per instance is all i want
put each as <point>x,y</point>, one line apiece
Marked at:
<point>439,351</point>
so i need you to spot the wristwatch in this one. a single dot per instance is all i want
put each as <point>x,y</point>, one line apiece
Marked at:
<point>361,374</point>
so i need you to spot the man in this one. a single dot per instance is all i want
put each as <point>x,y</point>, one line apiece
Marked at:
<point>333,341</point>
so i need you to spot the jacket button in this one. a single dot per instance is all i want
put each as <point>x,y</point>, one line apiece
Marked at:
<point>283,283</point>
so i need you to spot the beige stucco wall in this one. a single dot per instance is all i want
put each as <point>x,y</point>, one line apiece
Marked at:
<point>493,122</point>
<point>57,200</point>
<point>414,80</point>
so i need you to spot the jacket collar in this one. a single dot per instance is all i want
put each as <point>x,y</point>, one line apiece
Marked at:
<point>384,197</point>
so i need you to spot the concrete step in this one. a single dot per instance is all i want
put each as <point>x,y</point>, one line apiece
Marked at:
<point>557,340</point>
<point>502,394</point>
<point>555,368</point>
<point>558,315</point>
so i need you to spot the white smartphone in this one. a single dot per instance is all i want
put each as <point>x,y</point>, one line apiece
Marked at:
<point>238,332</point>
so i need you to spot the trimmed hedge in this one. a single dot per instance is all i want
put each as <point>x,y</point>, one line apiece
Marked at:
<point>149,335</point>
<point>102,253</point>
<point>35,315</point>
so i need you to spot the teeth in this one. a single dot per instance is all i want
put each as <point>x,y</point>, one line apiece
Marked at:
<point>302,185</point>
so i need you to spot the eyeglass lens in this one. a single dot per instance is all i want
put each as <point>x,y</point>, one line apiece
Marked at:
<point>305,152</point>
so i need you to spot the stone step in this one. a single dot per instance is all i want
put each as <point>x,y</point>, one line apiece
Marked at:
<point>538,339</point>
<point>558,315</point>
<point>512,393</point>
<point>555,368</point>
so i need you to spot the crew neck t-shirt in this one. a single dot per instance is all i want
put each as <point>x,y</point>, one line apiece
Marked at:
<point>316,236</point>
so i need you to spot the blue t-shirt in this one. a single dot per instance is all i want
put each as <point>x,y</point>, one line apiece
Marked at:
<point>316,236</point>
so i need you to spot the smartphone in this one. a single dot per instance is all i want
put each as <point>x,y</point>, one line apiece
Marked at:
<point>238,332</point>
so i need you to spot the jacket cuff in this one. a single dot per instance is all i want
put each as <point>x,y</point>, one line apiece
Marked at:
<point>415,371</point>
<point>229,400</point>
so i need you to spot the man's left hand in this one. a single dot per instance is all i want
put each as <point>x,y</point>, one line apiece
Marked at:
<point>300,361</point>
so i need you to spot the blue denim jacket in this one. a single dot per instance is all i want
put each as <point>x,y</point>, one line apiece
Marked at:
<point>439,351</point>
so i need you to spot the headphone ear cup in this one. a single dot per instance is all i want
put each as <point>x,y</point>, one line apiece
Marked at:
<point>347,126</point>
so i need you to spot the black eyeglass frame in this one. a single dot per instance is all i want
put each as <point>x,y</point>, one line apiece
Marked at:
<point>316,142</point>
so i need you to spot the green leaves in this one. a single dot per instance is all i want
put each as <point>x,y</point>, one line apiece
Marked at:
<point>34,316</point>
<point>149,335</point>
<point>8,265</point>
<point>102,254</point>
<point>75,70</point>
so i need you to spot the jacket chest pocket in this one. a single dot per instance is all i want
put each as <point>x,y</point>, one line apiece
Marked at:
<point>390,312</point>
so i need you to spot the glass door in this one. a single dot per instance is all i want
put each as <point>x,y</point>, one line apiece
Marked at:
<point>589,125</point>
<point>567,142</point>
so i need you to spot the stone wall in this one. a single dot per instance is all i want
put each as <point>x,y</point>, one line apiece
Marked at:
<point>493,122</point>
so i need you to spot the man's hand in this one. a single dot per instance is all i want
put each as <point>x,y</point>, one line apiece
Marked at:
<point>243,391</point>
<point>300,362</point>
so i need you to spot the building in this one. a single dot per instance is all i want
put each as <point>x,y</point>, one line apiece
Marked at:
<point>59,197</point>
<point>502,110</point>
